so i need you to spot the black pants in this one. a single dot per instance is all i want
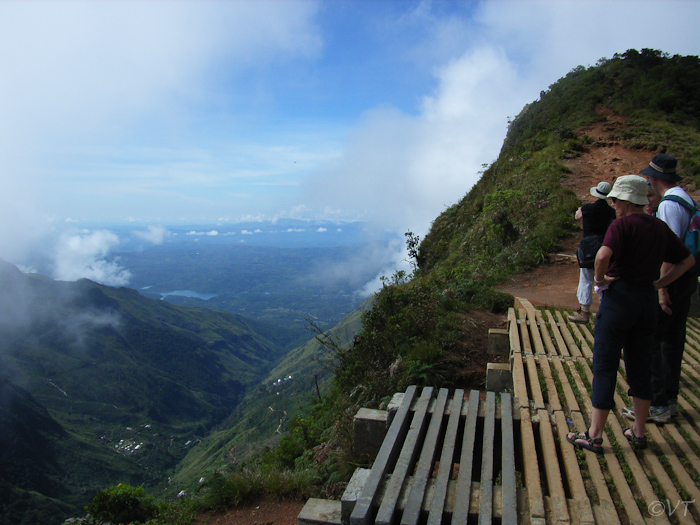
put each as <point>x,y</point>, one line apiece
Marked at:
<point>669,342</point>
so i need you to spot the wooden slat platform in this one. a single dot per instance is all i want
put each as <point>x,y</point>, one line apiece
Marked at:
<point>448,457</point>
<point>551,360</point>
<point>456,457</point>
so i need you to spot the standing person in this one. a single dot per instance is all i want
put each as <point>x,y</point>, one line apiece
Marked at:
<point>596,216</point>
<point>674,300</point>
<point>654,200</point>
<point>627,275</point>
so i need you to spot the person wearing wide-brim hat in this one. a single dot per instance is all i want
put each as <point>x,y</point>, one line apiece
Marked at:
<point>596,216</point>
<point>676,209</point>
<point>626,274</point>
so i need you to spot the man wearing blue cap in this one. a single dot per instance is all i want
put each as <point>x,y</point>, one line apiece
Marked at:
<point>674,300</point>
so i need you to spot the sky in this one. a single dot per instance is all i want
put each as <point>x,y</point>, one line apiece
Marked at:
<point>173,112</point>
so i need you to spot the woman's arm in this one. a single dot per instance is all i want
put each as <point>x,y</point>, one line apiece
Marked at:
<point>602,263</point>
<point>671,272</point>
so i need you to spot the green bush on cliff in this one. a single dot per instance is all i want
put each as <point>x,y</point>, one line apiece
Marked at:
<point>122,504</point>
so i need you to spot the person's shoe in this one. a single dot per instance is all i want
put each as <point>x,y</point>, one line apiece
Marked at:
<point>581,317</point>
<point>638,443</point>
<point>673,408</point>
<point>628,412</point>
<point>659,415</point>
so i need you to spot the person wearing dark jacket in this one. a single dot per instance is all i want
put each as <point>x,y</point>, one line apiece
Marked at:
<point>674,300</point>
<point>596,216</point>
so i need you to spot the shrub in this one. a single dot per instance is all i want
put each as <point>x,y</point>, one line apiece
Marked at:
<point>227,489</point>
<point>122,504</point>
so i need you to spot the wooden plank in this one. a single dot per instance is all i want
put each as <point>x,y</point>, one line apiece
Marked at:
<point>363,511</point>
<point>692,331</point>
<point>520,303</point>
<point>691,374</point>
<point>538,345</point>
<point>585,397</point>
<point>585,347</point>
<point>606,512</point>
<point>488,443</point>
<point>551,467</point>
<point>437,513</point>
<point>684,420</point>
<point>509,513</point>
<point>534,380</point>
<point>550,348</point>
<point>552,394</point>
<point>424,467</point>
<point>586,331</point>
<point>531,469</point>
<point>407,457</point>
<point>562,349</point>
<point>513,333</point>
<point>574,350</point>
<point>570,398</point>
<point>689,409</point>
<point>572,472</point>
<point>466,462</point>
<point>692,344</point>
<point>682,477</point>
<point>644,488</point>
<point>525,343</point>
<point>680,441</point>
<point>519,381</point>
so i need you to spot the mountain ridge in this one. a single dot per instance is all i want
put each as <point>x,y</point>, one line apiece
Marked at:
<point>128,383</point>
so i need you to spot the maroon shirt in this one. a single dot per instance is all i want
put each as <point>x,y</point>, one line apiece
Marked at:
<point>640,244</point>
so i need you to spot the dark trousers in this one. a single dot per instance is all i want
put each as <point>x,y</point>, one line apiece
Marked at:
<point>669,342</point>
<point>626,320</point>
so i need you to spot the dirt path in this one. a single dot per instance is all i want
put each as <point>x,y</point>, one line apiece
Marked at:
<point>261,513</point>
<point>555,283</point>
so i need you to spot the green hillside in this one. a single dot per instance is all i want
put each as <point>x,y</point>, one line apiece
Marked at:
<point>265,413</point>
<point>424,328</point>
<point>518,213</point>
<point>105,370</point>
<point>112,386</point>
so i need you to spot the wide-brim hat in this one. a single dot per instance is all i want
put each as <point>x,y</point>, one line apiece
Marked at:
<point>601,190</point>
<point>632,188</point>
<point>662,167</point>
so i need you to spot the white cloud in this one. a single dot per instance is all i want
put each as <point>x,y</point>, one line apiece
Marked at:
<point>84,255</point>
<point>401,170</point>
<point>155,234</point>
<point>321,230</point>
<point>212,233</point>
<point>82,82</point>
<point>141,108</point>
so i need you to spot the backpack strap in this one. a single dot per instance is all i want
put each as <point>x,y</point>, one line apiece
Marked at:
<point>692,208</point>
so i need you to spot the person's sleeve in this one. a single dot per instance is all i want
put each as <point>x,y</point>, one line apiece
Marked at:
<point>612,235</point>
<point>670,213</point>
<point>676,250</point>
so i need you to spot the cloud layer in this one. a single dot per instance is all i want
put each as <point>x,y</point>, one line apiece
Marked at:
<point>172,111</point>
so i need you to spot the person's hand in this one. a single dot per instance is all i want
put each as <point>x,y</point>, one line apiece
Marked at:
<point>607,281</point>
<point>665,301</point>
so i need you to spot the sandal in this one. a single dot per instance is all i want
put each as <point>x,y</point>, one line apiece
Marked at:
<point>594,445</point>
<point>638,443</point>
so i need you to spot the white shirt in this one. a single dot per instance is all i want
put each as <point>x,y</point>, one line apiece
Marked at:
<point>674,214</point>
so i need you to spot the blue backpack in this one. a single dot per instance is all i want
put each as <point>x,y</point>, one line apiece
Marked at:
<point>692,234</point>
